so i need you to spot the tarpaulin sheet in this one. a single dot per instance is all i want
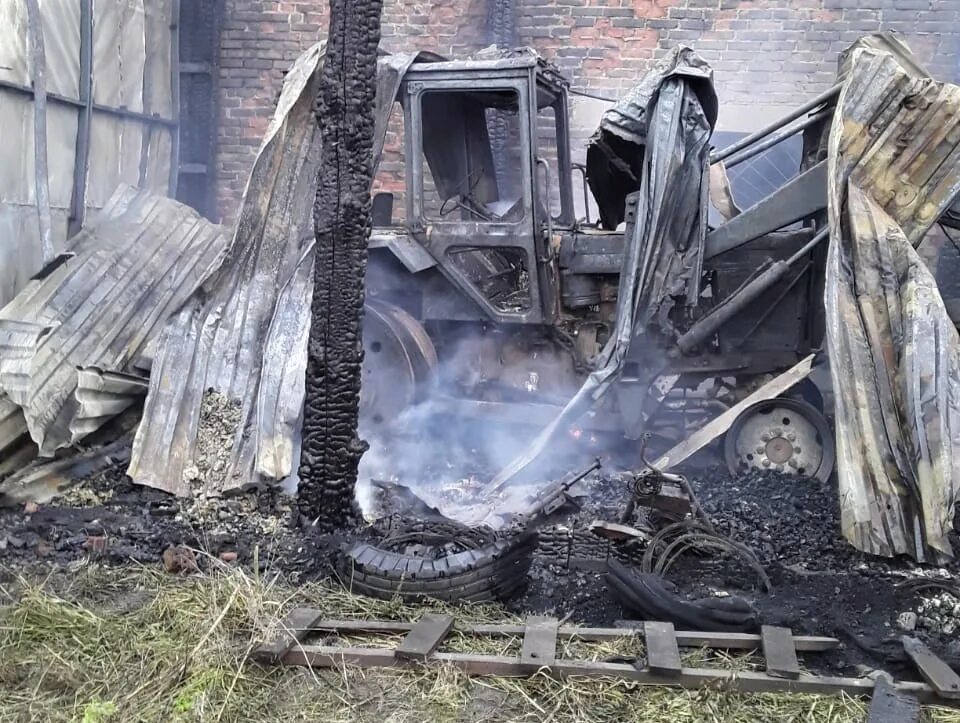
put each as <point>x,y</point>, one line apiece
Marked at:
<point>240,347</point>
<point>664,129</point>
<point>132,68</point>
<point>894,160</point>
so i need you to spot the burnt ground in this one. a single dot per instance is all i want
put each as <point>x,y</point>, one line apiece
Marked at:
<point>820,584</point>
<point>110,520</point>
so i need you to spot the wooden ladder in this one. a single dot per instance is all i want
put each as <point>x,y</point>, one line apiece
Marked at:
<point>538,653</point>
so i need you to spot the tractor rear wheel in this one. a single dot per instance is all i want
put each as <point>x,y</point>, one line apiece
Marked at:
<point>398,363</point>
<point>781,435</point>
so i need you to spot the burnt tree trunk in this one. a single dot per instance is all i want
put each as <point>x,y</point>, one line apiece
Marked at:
<point>341,213</point>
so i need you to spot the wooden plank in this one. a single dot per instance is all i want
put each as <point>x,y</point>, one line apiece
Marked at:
<point>539,647</point>
<point>748,681</point>
<point>425,636</point>
<point>890,706</point>
<point>779,651</point>
<point>174,179</point>
<point>663,654</point>
<point>81,162</point>
<point>714,428</point>
<point>41,174</point>
<point>293,629</point>
<point>685,638</point>
<point>932,669</point>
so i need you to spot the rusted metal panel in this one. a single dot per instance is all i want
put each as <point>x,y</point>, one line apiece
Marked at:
<point>98,308</point>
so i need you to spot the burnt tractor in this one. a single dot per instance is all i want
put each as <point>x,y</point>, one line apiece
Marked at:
<point>487,290</point>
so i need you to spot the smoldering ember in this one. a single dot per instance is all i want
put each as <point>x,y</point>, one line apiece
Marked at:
<point>500,360</point>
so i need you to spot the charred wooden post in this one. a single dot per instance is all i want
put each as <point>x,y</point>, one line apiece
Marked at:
<point>345,111</point>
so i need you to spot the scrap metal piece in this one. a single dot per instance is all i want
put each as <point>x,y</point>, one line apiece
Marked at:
<point>99,306</point>
<point>41,482</point>
<point>894,155</point>
<point>617,532</point>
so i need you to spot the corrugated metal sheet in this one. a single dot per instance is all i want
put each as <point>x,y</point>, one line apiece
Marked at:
<point>131,269</point>
<point>16,447</point>
<point>218,341</point>
<point>42,481</point>
<point>227,386</point>
<point>894,160</point>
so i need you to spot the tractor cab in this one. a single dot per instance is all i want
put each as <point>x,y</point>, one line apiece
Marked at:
<point>488,178</point>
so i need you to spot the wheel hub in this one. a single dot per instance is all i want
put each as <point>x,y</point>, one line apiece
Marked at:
<point>779,450</point>
<point>781,435</point>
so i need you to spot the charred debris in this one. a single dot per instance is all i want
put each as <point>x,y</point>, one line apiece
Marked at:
<point>770,394</point>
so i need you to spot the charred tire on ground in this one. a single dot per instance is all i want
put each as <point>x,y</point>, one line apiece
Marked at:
<point>496,570</point>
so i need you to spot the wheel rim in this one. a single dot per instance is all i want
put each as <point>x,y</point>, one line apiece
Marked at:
<point>399,359</point>
<point>781,435</point>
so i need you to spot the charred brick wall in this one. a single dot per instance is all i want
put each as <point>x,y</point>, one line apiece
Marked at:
<point>768,54</point>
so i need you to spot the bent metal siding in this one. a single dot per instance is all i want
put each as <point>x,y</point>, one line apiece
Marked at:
<point>111,109</point>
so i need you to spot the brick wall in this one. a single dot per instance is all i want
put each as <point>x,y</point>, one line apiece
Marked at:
<point>767,54</point>
<point>262,38</point>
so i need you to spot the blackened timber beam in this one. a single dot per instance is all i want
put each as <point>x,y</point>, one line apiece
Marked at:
<point>331,448</point>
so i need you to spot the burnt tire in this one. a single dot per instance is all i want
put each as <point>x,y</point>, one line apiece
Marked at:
<point>496,570</point>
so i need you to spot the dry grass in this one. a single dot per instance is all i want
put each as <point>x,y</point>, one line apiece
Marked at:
<point>103,646</point>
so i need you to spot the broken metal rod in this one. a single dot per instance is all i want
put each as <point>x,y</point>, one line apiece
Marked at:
<point>776,125</point>
<point>747,294</point>
<point>748,153</point>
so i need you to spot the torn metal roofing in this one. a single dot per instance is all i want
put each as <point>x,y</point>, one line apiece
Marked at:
<point>894,161</point>
<point>86,318</point>
<point>226,391</point>
<point>198,429</point>
<point>16,447</point>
